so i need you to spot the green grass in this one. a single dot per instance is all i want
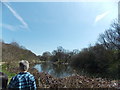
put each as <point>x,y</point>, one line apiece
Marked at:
<point>4,70</point>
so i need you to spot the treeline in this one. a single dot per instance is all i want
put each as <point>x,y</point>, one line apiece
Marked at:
<point>101,59</point>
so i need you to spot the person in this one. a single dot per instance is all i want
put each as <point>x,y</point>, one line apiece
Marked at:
<point>23,80</point>
<point>3,81</point>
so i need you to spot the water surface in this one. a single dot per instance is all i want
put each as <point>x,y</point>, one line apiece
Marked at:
<point>61,70</point>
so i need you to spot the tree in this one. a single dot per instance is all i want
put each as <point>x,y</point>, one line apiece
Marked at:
<point>111,37</point>
<point>45,56</point>
<point>61,55</point>
<point>75,51</point>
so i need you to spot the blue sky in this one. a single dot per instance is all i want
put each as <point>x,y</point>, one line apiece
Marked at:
<point>43,26</point>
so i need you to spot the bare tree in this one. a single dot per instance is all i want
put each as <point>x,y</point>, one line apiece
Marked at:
<point>111,37</point>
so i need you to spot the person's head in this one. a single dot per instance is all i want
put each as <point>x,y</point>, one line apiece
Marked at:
<point>3,80</point>
<point>24,65</point>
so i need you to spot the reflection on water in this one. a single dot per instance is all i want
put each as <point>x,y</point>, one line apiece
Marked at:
<point>55,70</point>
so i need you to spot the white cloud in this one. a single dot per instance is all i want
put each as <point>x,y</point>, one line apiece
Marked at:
<point>24,24</point>
<point>101,16</point>
<point>9,27</point>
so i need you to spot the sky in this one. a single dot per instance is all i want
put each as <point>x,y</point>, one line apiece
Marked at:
<point>43,26</point>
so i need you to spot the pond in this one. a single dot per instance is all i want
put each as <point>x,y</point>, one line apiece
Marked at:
<point>61,70</point>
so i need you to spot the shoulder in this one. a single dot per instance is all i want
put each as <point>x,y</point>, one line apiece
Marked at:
<point>13,81</point>
<point>29,75</point>
<point>15,77</point>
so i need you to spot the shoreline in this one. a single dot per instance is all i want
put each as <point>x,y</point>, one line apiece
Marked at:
<point>45,80</point>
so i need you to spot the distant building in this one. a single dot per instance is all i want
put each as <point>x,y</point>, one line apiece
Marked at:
<point>119,12</point>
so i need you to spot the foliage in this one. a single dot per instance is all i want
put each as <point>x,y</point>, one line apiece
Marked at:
<point>111,41</point>
<point>103,58</point>
<point>59,55</point>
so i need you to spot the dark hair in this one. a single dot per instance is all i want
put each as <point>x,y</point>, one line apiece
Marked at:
<point>3,80</point>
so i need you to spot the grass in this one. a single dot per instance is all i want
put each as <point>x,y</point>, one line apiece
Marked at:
<point>9,74</point>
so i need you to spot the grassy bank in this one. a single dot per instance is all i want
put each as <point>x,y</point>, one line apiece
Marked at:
<point>4,70</point>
